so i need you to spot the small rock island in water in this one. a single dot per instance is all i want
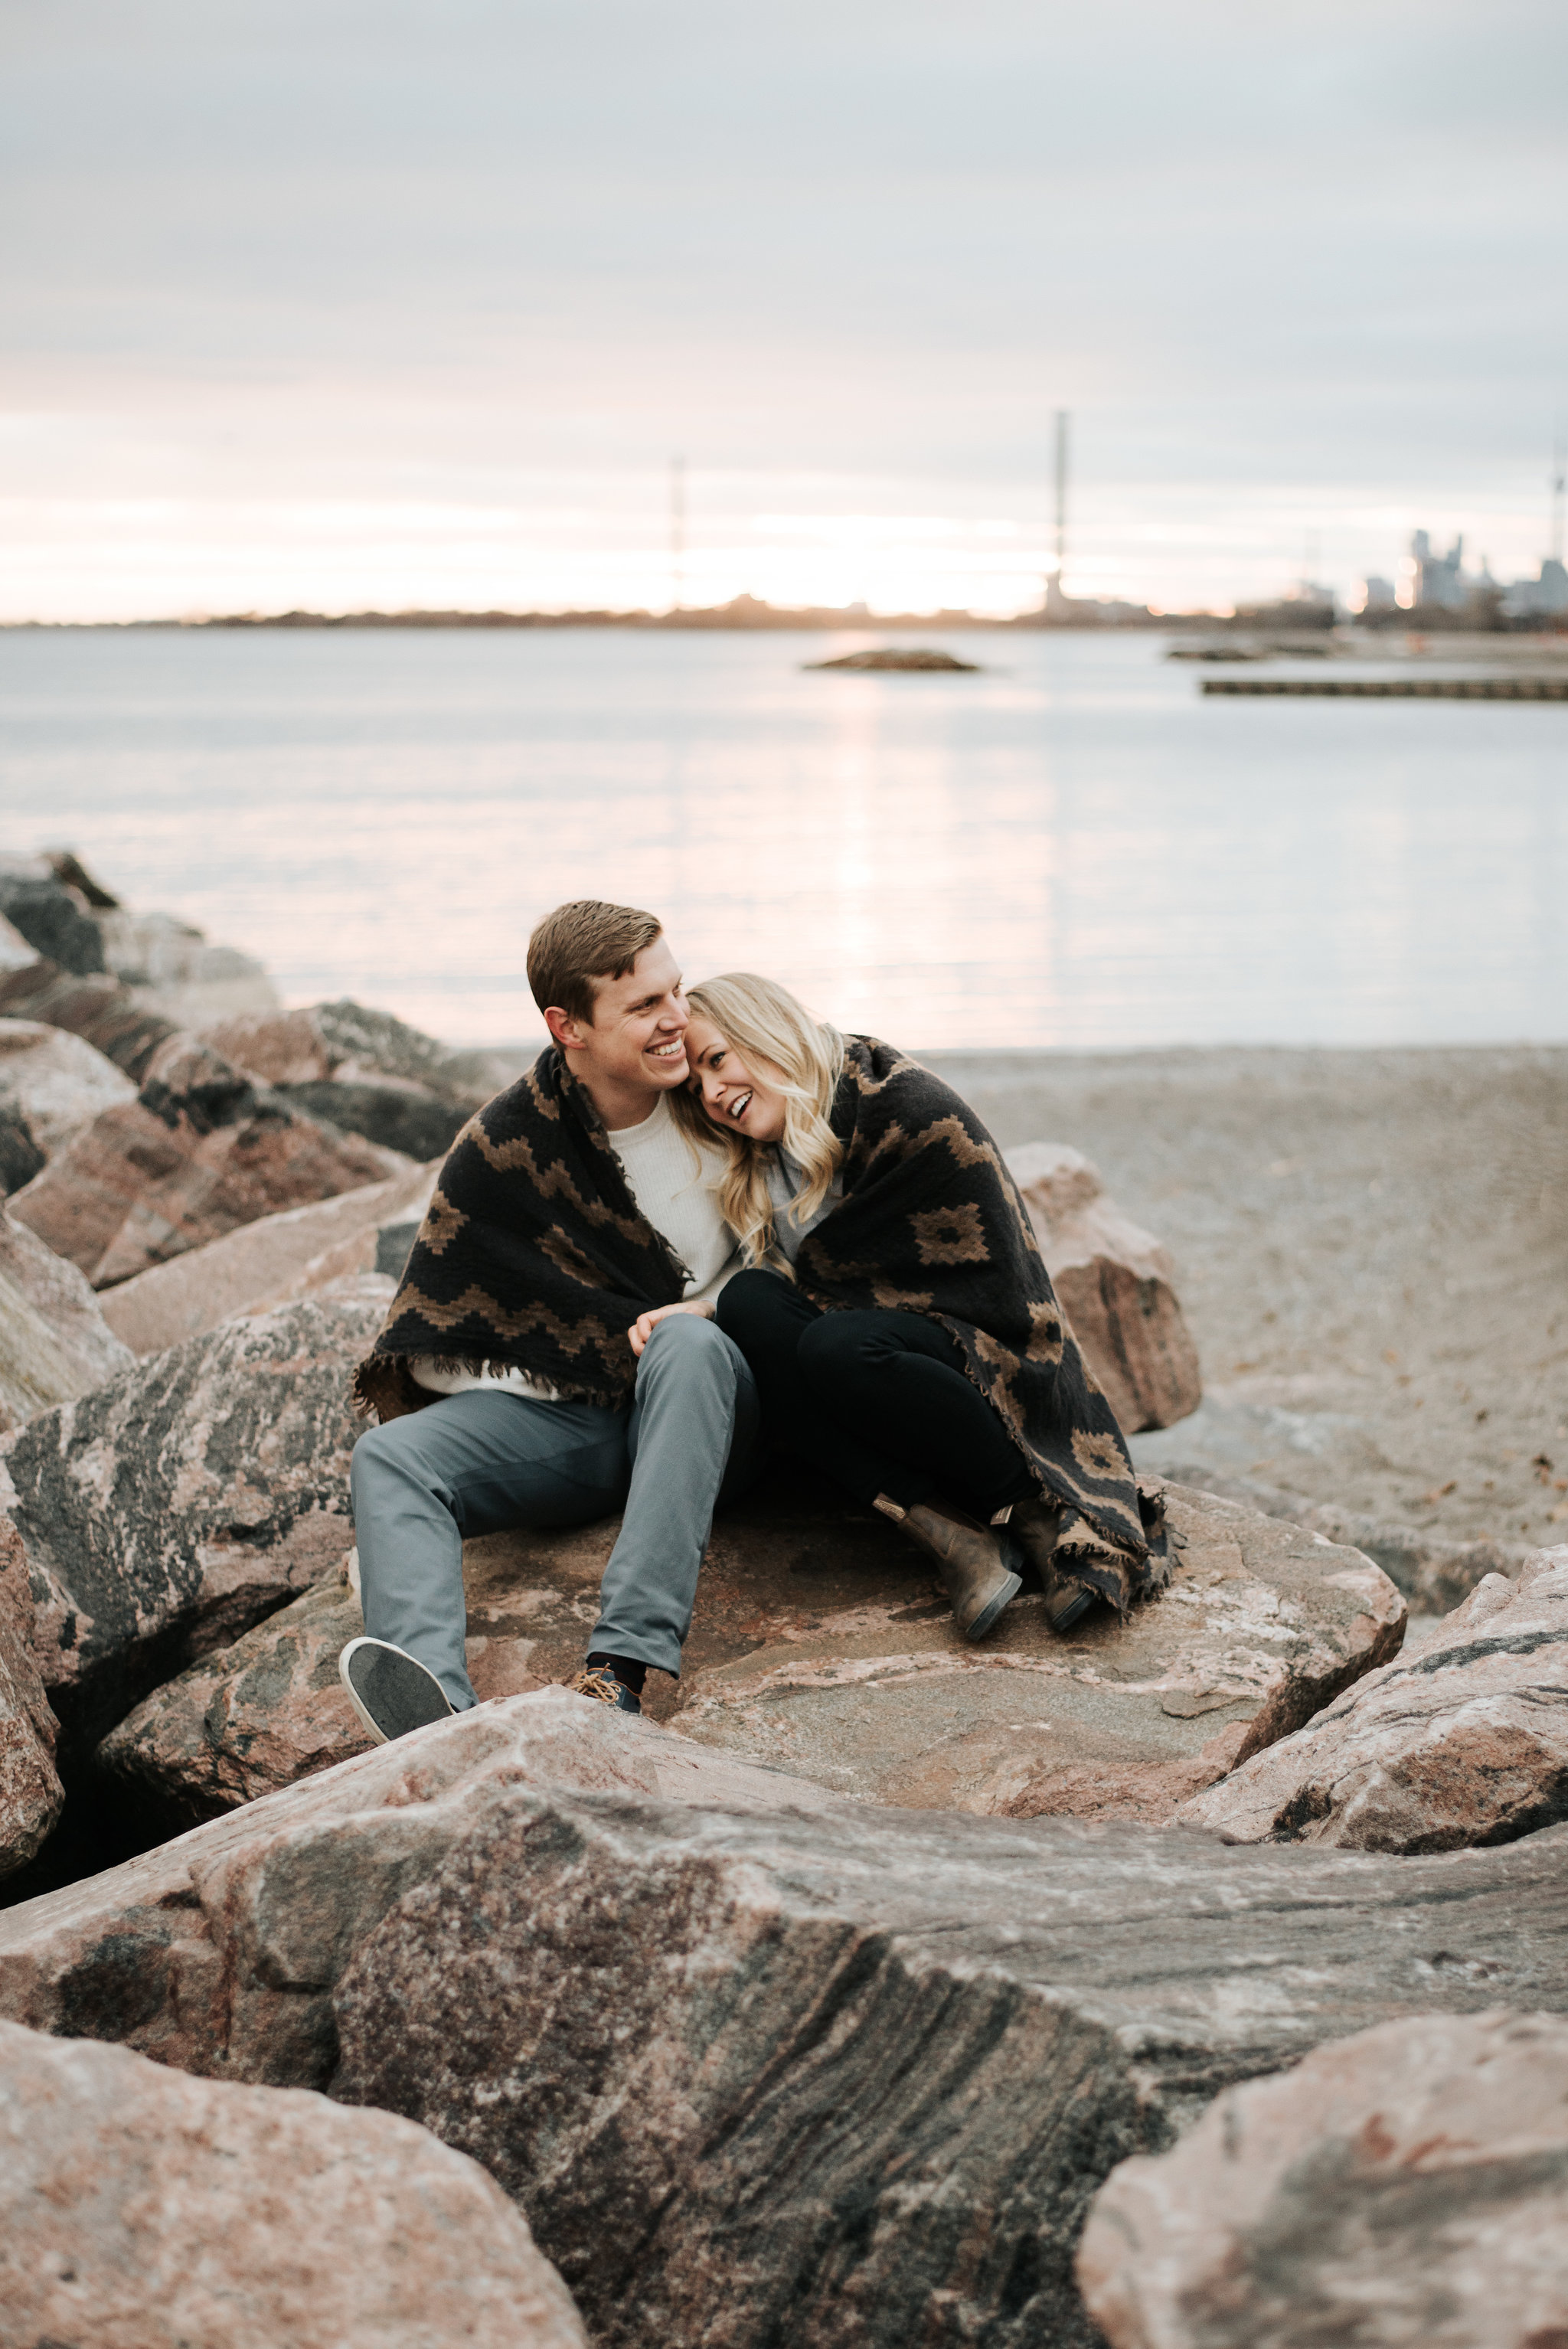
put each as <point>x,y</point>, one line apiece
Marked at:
<point>893,656</point>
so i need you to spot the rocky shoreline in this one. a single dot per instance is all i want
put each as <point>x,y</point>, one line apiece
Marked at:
<point>836,2000</point>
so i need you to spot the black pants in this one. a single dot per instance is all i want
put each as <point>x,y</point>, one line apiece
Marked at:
<point>879,1400</point>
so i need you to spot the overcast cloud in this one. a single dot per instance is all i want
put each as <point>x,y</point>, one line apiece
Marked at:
<point>335,303</point>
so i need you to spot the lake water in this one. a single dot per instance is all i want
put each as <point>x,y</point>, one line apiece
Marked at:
<point>1074,848</point>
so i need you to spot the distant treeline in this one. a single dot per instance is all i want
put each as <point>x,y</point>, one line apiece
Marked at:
<point>1295,618</point>
<point>744,612</point>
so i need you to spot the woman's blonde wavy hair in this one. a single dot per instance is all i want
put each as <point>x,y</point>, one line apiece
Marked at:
<point>804,1059</point>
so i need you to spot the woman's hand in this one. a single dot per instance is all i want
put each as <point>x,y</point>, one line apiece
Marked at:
<point>642,1328</point>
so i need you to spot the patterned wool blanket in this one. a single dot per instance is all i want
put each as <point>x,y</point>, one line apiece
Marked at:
<point>533,1254</point>
<point>932,1222</point>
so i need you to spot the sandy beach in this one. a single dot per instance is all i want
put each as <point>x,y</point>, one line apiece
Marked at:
<point>1372,1251</point>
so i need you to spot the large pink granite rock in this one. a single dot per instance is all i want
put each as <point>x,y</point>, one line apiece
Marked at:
<point>54,916</point>
<point>243,1722</point>
<point>257,1716</point>
<point>16,954</point>
<point>360,1069</point>
<point>265,1262</point>
<point>169,1510</point>
<point>219,1952</point>
<point>867,2068</point>
<point>345,1042</point>
<point>837,2073</point>
<point>56,1082</point>
<point>1115,1284</point>
<point>1406,2189</point>
<point>140,2209</point>
<point>172,967</point>
<point>96,1006</point>
<point>31,1795</point>
<point>819,1646</point>
<point>54,1341</point>
<point>1465,1742</point>
<point>1260,1625</point>
<point>198,1153</point>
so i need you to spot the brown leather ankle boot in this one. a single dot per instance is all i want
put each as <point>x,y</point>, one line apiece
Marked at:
<point>970,1558</point>
<point>1034,1525</point>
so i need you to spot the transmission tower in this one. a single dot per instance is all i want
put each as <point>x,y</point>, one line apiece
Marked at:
<point>677,533</point>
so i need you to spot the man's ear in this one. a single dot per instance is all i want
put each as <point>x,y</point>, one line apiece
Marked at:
<point>567,1032</point>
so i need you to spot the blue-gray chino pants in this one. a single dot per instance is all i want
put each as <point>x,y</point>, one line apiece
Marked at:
<point>476,1462</point>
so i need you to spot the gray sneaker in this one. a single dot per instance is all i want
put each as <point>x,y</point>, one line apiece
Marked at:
<point>390,1690</point>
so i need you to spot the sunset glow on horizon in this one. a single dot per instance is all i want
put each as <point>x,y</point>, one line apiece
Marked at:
<point>109,559</point>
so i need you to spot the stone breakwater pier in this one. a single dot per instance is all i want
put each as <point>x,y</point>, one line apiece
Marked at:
<point>1399,688</point>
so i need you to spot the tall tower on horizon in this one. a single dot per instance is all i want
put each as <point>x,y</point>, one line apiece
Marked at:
<point>1061,493</point>
<point>1559,488</point>
<point>1055,595</point>
<point>677,533</point>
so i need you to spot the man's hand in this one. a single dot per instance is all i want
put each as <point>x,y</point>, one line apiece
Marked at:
<point>642,1328</point>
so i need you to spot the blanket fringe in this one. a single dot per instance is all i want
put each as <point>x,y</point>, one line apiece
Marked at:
<point>384,1388</point>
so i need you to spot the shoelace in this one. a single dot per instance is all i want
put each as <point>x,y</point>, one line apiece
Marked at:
<point>600,1682</point>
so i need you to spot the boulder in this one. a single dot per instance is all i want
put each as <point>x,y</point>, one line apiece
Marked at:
<point>218,1953</point>
<point>265,1261</point>
<point>55,919</point>
<point>257,1716</point>
<point>16,954</point>
<point>343,1041</point>
<point>1407,2186</point>
<point>867,2068</point>
<point>1466,1743</point>
<point>199,1152</point>
<point>837,2073</point>
<point>820,1646</point>
<point>20,1156</point>
<point>245,1721</point>
<point>396,1117</point>
<point>54,1083</point>
<point>70,918</point>
<point>482,1070</point>
<point>169,1510</point>
<point>377,1250</point>
<point>67,867</point>
<point>97,1008</point>
<point>143,2209</point>
<point>853,1672</point>
<point>789,1559</point>
<point>54,1341</point>
<point>361,1070</point>
<point>31,1795</point>
<point>1115,1283</point>
<point>171,967</point>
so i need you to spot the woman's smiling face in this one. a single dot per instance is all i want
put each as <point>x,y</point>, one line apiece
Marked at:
<point>732,1095</point>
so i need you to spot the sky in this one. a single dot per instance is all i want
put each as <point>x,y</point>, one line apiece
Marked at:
<point>338,305</point>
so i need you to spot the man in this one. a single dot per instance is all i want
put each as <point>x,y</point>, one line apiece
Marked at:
<point>509,1382</point>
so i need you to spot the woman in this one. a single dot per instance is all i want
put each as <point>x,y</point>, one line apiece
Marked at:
<point>897,1314</point>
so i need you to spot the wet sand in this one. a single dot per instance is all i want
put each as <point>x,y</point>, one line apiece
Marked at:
<point>1371,1249</point>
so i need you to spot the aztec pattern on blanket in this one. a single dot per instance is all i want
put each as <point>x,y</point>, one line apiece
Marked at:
<point>533,1254</point>
<point>932,1222</point>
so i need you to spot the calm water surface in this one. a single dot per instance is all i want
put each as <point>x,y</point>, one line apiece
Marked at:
<point>1074,848</point>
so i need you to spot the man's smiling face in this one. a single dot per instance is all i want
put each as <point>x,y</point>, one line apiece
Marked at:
<point>636,1043</point>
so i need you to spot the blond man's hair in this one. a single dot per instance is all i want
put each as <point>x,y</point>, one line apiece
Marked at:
<point>804,1059</point>
<point>573,950</point>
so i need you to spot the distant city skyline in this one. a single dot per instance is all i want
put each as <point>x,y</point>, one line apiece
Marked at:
<point>360,308</point>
